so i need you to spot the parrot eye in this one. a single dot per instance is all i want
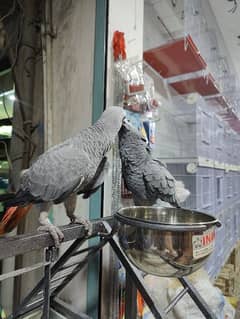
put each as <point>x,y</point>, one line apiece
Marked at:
<point>125,120</point>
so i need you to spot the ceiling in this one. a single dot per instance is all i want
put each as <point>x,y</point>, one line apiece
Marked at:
<point>229,25</point>
<point>218,16</point>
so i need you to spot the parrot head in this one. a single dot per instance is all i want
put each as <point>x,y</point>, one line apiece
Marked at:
<point>112,118</point>
<point>130,130</point>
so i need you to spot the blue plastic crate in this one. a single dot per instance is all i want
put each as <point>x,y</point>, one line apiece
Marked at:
<point>228,188</point>
<point>228,146</point>
<point>219,189</point>
<point>200,184</point>
<point>189,180</point>
<point>205,189</point>
<point>205,133</point>
<point>196,130</point>
<point>218,139</point>
<point>235,181</point>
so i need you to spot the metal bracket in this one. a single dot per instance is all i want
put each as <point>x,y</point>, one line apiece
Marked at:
<point>109,230</point>
<point>47,289</point>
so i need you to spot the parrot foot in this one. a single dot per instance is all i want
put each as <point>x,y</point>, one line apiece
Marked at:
<point>83,221</point>
<point>55,233</point>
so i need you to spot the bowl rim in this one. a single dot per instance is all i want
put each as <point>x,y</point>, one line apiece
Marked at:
<point>200,226</point>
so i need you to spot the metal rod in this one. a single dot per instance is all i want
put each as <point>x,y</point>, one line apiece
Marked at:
<point>69,265</point>
<point>65,309</point>
<point>75,245</point>
<point>134,273</point>
<point>165,27</point>
<point>53,287</point>
<point>22,244</point>
<point>61,277</point>
<point>47,278</point>
<point>34,302</point>
<point>55,280</point>
<point>21,271</point>
<point>78,252</point>
<point>130,298</point>
<point>197,298</point>
<point>93,247</point>
<point>79,267</point>
<point>26,310</point>
<point>175,300</point>
<point>136,277</point>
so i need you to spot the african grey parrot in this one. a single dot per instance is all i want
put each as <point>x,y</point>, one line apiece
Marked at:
<point>145,176</point>
<point>76,166</point>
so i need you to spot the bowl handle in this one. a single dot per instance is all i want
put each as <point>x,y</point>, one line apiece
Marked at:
<point>187,228</point>
<point>218,223</point>
<point>203,227</point>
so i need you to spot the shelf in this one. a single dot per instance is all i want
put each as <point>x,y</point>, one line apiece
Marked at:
<point>202,85</point>
<point>180,62</point>
<point>202,162</point>
<point>177,57</point>
<point>222,101</point>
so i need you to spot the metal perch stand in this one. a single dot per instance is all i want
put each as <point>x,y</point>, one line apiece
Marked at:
<point>44,294</point>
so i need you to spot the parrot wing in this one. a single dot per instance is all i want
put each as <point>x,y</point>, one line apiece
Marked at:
<point>159,182</point>
<point>98,179</point>
<point>56,174</point>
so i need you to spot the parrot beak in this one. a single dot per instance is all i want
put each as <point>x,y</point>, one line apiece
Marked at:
<point>127,124</point>
<point>125,120</point>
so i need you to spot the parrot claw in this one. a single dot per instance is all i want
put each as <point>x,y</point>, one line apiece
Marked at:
<point>85,222</point>
<point>55,233</point>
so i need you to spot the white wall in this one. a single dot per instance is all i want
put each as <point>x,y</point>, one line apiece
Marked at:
<point>125,16</point>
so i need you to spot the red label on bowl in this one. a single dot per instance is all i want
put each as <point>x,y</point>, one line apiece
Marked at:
<point>203,244</point>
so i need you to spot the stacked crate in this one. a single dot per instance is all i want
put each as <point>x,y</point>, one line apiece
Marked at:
<point>228,279</point>
<point>218,140</point>
<point>185,130</point>
<point>235,260</point>
<point>208,165</point>
<point>200,183</point>
<point>225,280</point>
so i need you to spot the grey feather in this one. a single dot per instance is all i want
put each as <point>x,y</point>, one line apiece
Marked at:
<point>98,179</point>
<point>146,177</point>
<point>69,167</point>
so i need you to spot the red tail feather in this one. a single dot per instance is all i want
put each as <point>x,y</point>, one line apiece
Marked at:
<point>12,217</point>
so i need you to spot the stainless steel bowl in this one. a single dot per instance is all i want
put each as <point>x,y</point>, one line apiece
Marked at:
<point>167,242</point>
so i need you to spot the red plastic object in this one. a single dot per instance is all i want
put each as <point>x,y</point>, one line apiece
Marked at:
<point>201,85</point>
<point>119,47</point>
<point>229,116</point>
<point>177,57</point>
<point>222,101</point>
<point>235,124</point>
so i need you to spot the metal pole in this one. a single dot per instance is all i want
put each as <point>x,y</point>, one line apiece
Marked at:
<point>66,310</point>
<point>137,279</point>
<point>130,298</point>
<point>197,298</point>
<point>175,300</point>
<point>76,244</point>
<point>47,278</point>
<point>81,264</point>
